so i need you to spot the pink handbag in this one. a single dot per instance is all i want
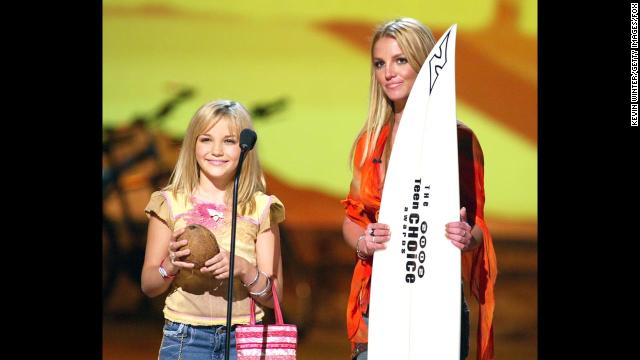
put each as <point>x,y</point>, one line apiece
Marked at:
<point>267,342</point>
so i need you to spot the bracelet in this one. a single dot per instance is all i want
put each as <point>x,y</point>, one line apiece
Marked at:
<point>254,280</point>
<point>163,272</point>
<point>266,289</point>
<point>360,254</point>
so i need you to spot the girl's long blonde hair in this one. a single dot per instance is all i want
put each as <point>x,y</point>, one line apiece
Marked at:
<point>415,41</point>
<point>186,174</point>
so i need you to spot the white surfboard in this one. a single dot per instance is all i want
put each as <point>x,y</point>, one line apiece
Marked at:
<point>415,286</point>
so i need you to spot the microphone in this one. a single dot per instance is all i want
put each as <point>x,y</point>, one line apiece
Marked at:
<point>248,139</point>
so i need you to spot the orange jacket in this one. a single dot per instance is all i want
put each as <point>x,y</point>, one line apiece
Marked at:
<point>479,267</point>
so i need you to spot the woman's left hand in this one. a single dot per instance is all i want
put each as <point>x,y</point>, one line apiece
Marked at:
<point>218,266</point>
<point>459,232</point>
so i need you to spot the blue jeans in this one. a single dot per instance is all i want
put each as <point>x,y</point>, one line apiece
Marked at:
<point>361,349</point>
<point>190,342</point>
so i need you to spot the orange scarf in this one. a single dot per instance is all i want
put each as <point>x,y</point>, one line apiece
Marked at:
<point>479,266</point>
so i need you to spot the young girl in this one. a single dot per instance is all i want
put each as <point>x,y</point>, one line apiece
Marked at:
<point>200,192</point>
<point>398,50</point>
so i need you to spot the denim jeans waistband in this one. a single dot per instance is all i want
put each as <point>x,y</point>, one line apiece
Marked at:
<point>219,328</point>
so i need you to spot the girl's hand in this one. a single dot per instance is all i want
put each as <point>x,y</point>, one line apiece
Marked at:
<point>218,266</point>
<point>459,232</point>
<point>175,255</point>
<point>375,237</point>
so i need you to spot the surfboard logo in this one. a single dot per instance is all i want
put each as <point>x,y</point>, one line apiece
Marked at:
<point>438,61</point>
<point>414,234</point>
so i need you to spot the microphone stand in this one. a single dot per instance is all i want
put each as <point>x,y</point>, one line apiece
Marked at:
<point>232,252</point>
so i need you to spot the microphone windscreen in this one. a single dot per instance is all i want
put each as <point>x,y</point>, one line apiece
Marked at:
<point>248,139</point>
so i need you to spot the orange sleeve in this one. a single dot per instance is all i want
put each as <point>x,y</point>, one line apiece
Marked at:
<point>353,204</point>
<point>362,206</point>
<point>479,266</point>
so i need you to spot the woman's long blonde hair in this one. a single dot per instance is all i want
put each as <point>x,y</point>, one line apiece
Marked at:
<point>415,41</point>
<point>186,175</point>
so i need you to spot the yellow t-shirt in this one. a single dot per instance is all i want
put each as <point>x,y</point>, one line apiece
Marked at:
<point>201,300</point>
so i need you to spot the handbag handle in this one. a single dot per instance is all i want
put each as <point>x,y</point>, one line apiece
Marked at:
<point>276,306</point>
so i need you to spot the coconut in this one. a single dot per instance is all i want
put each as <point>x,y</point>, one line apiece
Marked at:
<point>201,242</point>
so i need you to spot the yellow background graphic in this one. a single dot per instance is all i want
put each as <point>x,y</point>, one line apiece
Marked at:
<point>315,55</point>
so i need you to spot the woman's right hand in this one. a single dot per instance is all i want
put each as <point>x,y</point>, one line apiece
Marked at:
<point>176,255</point>
<point>375,237</point>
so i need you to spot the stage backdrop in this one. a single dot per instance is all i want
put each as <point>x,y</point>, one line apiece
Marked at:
<point>306,65</point>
